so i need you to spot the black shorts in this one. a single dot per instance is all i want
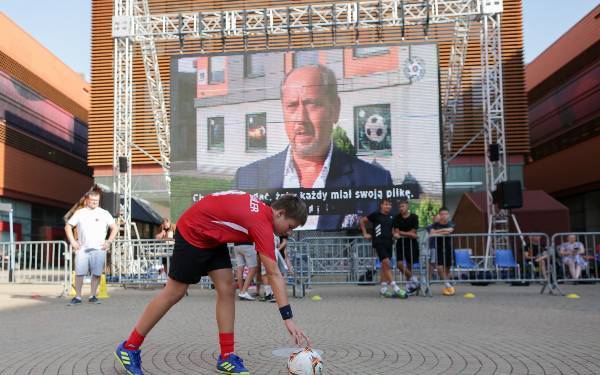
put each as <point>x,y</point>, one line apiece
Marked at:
<point>190,263</point>
<point>407,250</point>
<point>443,256</point>
<point>383,251</point>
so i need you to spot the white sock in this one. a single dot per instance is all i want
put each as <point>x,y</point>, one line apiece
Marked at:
<point>268,290</point>
<point>448,285</point>
<point>414,279</point>
<point>383,287</point>
<point>394,286</point>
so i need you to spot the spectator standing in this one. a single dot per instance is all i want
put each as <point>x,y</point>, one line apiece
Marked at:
<point>245,256</point>
<point>92,223</point>
<point>166,230</point>
<point>383,244</point>
<point>405,228</point>
<point>443,246</point>
<point>571,253</point>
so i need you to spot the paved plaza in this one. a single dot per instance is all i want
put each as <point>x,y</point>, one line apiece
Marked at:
<point>504,330</point>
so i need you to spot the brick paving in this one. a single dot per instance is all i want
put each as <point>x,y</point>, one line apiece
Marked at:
<point>504,330</point>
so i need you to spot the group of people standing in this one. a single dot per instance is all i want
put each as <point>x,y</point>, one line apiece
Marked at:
<point>403,228</point>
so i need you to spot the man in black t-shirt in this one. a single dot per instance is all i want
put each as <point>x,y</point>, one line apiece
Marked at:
<point>443,246</point>
<point>382,243</point>
<point>405,228</point>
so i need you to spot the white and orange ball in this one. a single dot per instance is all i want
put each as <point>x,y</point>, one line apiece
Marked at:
<point>305,362</point>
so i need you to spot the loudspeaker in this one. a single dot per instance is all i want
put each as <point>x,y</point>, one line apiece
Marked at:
<point>494,152</point>
<point>110,203</point>
<point>508,194</point>
<point>123,164</point>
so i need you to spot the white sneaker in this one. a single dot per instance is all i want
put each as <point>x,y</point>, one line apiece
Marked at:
<point>246,297</point>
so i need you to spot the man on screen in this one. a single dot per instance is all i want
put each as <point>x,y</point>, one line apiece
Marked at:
<point>311,107</point>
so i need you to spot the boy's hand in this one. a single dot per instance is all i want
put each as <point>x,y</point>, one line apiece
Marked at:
<point>367,236</point>
<point>296,333</point>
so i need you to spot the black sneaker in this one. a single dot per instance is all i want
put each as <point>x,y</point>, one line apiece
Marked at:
<point>74,302</point>
<point>413,288</point>
<point>268,298</point>
<point>94,299</point>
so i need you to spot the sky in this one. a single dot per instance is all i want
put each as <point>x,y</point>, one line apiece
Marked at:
<point>544,22</point>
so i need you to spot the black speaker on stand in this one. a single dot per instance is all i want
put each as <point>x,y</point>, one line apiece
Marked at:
<point>494,152</point>
<point>509,194</point>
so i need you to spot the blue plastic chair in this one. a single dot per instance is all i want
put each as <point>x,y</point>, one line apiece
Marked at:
<point>462,259</point>
<point>505,260</point>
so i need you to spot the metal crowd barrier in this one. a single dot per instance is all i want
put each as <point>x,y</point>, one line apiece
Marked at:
<point>576,257</point>
<point>335,260</point>
<point>139,262</point>
<point>39,262</point>
<point>145,263</point>
<point>477,258</point>
<point>482,258</point>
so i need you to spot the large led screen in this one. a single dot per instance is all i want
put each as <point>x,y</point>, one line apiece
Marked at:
<point>342,127</point>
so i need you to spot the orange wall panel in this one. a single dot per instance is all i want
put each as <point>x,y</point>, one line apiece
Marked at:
<point>567,169</point>
<point>362,66</point>
<point>41,63</point>
<point>38,179</point>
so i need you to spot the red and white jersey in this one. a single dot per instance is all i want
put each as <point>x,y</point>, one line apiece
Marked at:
<point>229,216</point>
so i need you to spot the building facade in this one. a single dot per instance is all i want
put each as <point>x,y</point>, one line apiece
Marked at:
<point>43,136</point>
<point>466,172</point>
<point>563,90</point>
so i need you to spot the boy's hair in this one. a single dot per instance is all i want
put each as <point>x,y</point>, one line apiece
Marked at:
<point>385,200</point>
<point>443,208</point>
<point>402,201</point>
<point>295,208</point>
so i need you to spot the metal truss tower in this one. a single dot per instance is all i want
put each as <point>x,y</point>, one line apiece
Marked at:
<point>496,169</point>
<point>452,92</point>
<point>123,112</point>
<point>133,24</point>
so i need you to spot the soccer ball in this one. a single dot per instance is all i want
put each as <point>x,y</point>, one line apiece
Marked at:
<point>305,362</point>
<point>375,128</point>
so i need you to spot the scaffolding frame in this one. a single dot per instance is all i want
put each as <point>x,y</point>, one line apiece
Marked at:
<point>134,25</point>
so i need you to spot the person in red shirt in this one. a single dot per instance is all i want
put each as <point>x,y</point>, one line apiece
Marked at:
<point>201,238</point>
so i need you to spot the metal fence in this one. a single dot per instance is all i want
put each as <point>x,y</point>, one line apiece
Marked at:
<point>477,258</point>
<point>576,257</point>
<point>482,258</point>
<point>139,262</point>
<point>47,262</point>
<point>333,260</point>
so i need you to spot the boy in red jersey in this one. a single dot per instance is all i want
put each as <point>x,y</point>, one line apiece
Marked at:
<point>201,238</point>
